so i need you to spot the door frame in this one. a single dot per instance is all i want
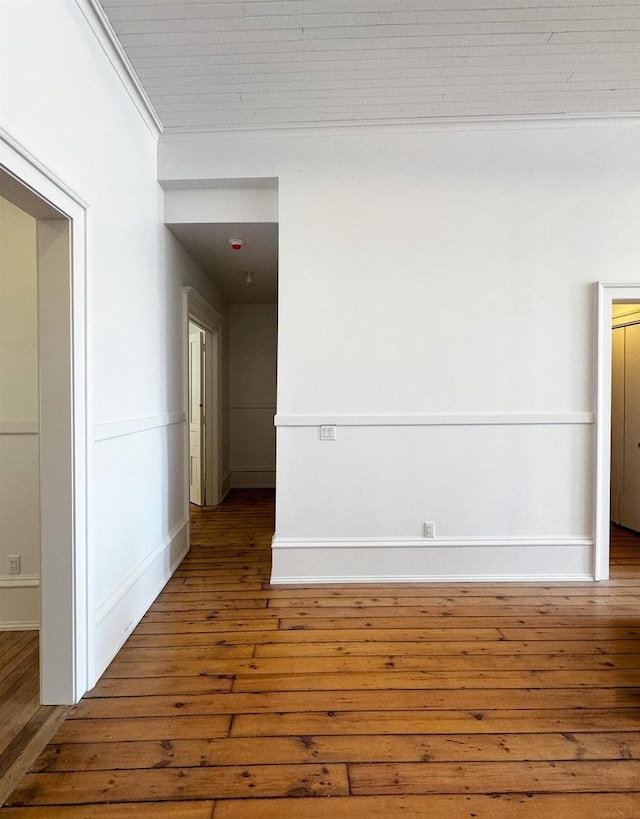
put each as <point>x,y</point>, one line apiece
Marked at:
<point>204,410</point>
<point>197,309</point>
<point>64,409</point>
<point>607,295</point>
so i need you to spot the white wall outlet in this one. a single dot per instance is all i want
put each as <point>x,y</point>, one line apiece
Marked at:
<point>429,529</point>
<point>14,564</point>
<point>327,432</point>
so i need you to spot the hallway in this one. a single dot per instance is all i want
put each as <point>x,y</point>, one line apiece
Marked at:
<point>236,700</point>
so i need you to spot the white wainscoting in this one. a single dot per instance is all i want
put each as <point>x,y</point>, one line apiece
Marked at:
<point>136,551</point>
<point>19,602</point>
<point>19,511</point>
<point>511,496</point>
<point>119,614</point>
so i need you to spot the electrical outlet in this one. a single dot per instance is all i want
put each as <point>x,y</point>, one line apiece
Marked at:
<point>14,564</point>
<point>430,529</point>
<point>327,432</point>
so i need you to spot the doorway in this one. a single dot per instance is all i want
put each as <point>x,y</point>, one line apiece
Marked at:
<point>197,414</point>
<point>625,415</point>
<point>19,493</point>
<point>60,231</point>
<point>617,450</point>
<point>203,369</point>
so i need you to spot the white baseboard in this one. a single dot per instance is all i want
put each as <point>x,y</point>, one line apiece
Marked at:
<point>19,602</point>
<point>422,542</point>
<point>19,625</point>
<point>253,478</point>
<point>296,580</point>
<point>121,612</point>
<point>446,560</point>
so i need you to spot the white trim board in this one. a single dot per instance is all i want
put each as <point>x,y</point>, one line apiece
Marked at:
<point>42,180</point>
<point>18,426</point>
<point>323,580</point>
<point>107,606</point>
<point>103,31</point>
<point>19,601</point>
<point>19,625</point>
<point>425,543</point>
<point>407,560</point>
<point>436,419</point>
<point>65,455</point>
<point>404,126</point>
<point>198,308</point>
<point>133,426</point>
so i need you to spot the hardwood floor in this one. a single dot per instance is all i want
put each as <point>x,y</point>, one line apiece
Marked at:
<point>19,683</point>
<point>25,725</point>
<point>236,700</point>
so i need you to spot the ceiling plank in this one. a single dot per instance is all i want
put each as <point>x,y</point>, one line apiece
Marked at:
<point>265,63</point>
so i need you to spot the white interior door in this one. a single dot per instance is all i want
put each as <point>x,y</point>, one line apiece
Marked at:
<point>196,415</point>
<point>630,498</point>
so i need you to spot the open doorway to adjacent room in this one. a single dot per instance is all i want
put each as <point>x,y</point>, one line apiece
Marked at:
<point>617,518</point>
<point>19,472</point>
<point>625,433</point>
<point>198,420</point>
<point>43,454</point>
<point>231,359</point>
<point>203,329</point>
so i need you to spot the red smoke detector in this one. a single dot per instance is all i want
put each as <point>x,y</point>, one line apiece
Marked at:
<point>236,244</point>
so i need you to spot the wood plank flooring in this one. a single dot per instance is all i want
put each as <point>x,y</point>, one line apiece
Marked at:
<point>19,683</point>
<point>236,700</point>
<point>25,725</point>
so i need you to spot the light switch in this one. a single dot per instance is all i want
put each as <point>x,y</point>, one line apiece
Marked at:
<point>327,432</point>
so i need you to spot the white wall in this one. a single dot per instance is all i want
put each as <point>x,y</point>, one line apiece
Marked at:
<point>436,304</point>
<point>62,100</point>
<point>253,336</point>
<point>19,493</point>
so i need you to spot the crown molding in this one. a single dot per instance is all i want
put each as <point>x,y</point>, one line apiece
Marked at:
<point>99,23</point>
<point>408,126</point>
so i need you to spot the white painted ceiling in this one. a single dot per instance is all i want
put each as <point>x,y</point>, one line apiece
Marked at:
<point>220,65</point>
<point>226,64</point>
<point>209,245</point>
